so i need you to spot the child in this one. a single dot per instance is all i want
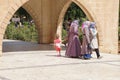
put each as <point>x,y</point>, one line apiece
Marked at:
<point>57,44</point>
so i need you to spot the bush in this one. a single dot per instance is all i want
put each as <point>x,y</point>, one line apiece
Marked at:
<point>21,33</point>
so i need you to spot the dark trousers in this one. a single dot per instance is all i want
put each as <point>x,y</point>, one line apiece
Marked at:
<point>97,52</point>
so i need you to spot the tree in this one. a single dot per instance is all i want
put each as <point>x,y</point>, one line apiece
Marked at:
<point>74,11</point>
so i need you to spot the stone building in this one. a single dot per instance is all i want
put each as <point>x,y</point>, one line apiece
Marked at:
<point>49,14</point>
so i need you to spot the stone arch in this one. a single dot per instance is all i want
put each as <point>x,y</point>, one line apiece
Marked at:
<point>86,9</point>
<point>10,12</point>
<point>29,9</point>
<point>100,14</point>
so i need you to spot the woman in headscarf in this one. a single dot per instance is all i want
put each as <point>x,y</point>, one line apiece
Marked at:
<point>74,47</point>
<point>94,40</point>
<point>86,49</point>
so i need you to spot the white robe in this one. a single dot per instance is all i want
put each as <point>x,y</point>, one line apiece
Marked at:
<point>94,41</point>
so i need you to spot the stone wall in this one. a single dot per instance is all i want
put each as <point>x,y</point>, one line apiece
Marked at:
<point>48,16</point>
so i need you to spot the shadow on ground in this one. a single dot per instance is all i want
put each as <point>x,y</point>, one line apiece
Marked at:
<point>15,45</point>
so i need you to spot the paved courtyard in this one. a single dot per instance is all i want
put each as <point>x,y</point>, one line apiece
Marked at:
<point>41,63</point>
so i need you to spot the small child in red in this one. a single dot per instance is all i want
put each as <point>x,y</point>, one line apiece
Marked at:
<point>57,44</point>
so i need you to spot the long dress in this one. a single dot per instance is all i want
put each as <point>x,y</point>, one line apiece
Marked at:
<point>85,41</point>
<point>94,40</point>
<point>74,45</point>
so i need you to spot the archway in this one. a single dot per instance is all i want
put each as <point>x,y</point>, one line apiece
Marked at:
<point>47,10</point>
<point>13,7</point>
<point>73,12</point>
<point>20,33</point>
<point>85,9</point>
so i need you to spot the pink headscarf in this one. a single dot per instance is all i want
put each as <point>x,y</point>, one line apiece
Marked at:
<point>85,24</point>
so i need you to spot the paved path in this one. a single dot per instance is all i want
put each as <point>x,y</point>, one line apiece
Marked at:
<point>45,65</point>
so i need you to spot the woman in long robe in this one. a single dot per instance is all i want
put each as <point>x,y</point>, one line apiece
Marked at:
<point>74,46</point>
<point>94,40</point>
<point>86,38</point>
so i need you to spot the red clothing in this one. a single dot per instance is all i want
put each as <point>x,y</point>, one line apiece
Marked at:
<point>57,44</point>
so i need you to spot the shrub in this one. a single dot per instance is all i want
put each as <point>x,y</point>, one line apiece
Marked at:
<point>24,33</point>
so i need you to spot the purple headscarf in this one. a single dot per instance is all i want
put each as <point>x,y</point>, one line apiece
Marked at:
<point>92,25</point>
<point>75,24</point>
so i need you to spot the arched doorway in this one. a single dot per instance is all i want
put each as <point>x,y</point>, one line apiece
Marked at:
<point>41,12</point>
<point>52,17</point>
<point>84,8</point>
<point>12,8</point>
<point>21,33</point>
<point>72,13</point>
